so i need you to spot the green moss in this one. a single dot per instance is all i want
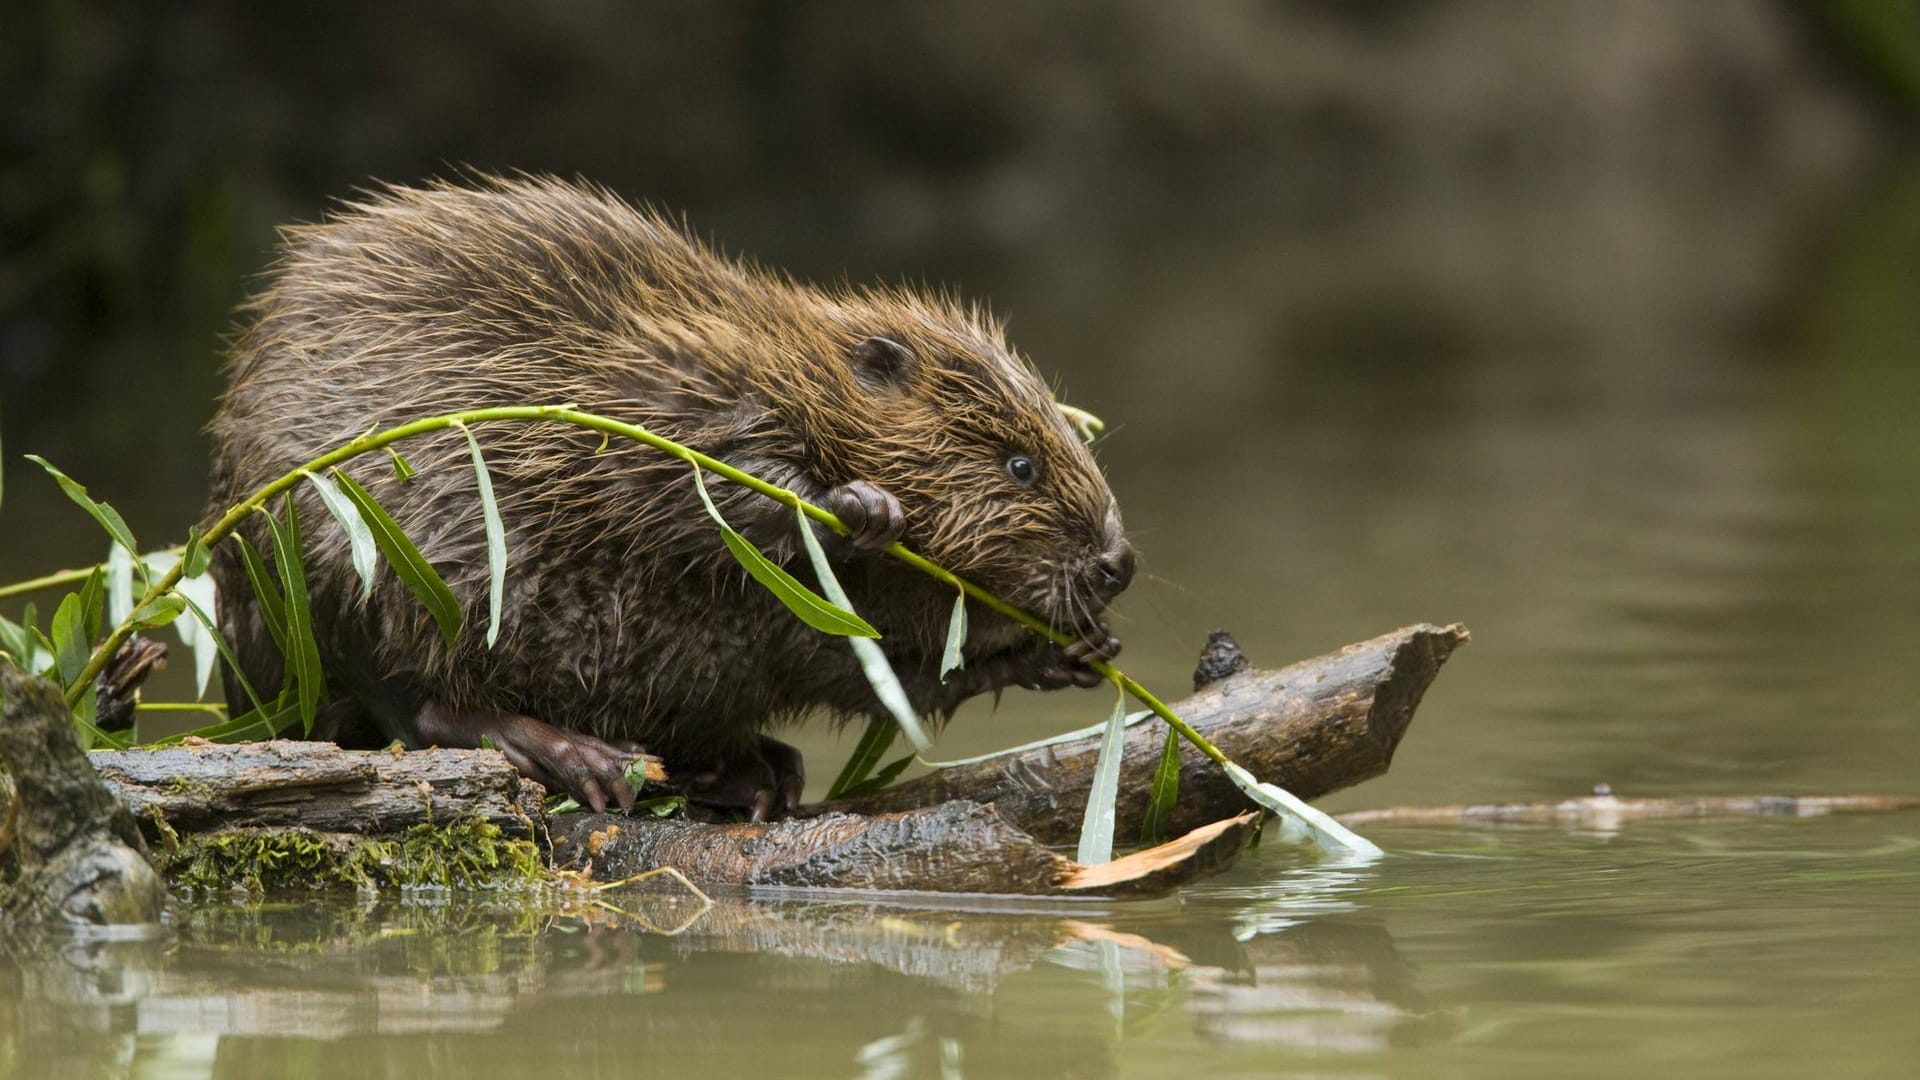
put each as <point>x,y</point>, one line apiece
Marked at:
<point>469,854</point>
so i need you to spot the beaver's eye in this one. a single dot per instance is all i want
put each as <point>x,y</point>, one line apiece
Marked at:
<point>1023,470</point>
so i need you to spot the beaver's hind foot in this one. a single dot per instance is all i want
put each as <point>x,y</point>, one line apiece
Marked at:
<point>766,781</point>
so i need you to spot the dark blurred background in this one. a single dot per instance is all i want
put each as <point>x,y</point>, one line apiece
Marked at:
<point>1593,324</point>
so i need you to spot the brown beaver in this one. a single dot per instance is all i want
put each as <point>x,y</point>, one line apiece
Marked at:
<point>626,622</point>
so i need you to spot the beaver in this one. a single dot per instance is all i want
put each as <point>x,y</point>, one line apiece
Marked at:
<point>626,623</point>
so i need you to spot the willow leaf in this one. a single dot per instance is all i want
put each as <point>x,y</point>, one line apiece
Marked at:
<point>951,659</point>
<point>873,743</point>
<point>812,608</point>
<point>212,633</point>
<point>881,779</point>
<point>273,610</point>
<point>70,646</point>
<point>1096,828</point>
<point>1300,822</point>
<point>159,611</point>
<point>194,560</point>
<point>93,595</point>
<point>415,572</point>
<point>496,538</point>
<point>303,651</point>
<point>360,545</point>
<point>1165,793</point>
<point>106,515</point>
<point>873,662</point>
<point>402,470</point>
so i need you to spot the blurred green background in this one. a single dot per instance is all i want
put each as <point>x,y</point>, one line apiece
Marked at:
<point>1591,324</point>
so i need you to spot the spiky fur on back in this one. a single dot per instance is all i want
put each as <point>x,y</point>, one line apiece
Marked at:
<point>624,614</point>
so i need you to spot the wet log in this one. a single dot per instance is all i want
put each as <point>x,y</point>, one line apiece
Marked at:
<point>1313,728</point>
<point>956,847</point>
<point>981,827</point>
<point>318,786</point>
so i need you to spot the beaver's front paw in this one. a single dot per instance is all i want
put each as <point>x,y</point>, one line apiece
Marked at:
<point>765,781</point>
<point>872,516</point>
<point>1054,667</point>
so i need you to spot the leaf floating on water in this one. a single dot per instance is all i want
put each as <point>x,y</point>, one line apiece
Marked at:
<point>812,608</point>
<point>873,662</point>
<point>1165,793</point>
<point>496,538</point>
<point>1096,828</point>
<point>1300,822</point>
<point>951,659</point>
<point>359,535</point>
<point>415,572</point>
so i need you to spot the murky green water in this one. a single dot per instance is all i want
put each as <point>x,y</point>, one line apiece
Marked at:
<point>1673,488</point>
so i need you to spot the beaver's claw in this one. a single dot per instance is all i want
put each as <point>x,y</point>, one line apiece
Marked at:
<point>872,516</point>
<point>1054,667</point>
<point>766,782</point>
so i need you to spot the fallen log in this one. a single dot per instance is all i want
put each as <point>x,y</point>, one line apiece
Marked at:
<point>1313,728</point>
<point>318,786</point>
<point>979,827</point>
<point>956,847</point>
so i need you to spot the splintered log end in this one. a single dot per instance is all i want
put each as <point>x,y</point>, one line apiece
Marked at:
<point>1206,850</point>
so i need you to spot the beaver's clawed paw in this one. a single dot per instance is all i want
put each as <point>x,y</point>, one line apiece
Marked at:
<point>765,782</point>
<point>872,515</point>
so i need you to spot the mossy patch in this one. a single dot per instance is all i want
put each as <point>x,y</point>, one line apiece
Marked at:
<point>469,854</point>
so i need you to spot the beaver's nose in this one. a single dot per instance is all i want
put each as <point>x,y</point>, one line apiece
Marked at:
<point>1114,570</point>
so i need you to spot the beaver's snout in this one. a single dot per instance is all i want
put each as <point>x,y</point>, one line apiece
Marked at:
<point>1112,571</point>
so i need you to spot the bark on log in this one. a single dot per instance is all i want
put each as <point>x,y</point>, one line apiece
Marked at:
<point>1313,728</point>
<point>956,847</point>
<point>318,786</point>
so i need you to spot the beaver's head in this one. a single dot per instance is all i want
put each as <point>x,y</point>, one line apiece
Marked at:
<point>996,484</point>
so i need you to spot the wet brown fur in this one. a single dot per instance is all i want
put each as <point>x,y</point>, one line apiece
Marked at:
<point>624,615</point>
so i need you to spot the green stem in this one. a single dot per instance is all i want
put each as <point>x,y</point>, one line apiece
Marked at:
<point>569,415</point>
<point>48,581</point>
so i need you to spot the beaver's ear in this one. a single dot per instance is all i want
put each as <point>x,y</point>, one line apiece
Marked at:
<point>882,363</point>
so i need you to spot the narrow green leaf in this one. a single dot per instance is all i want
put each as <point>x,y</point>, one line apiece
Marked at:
<point>881,779</point>
<point>303,649</point>
<point>70,645</point>
<point>1165,793</point>
<point>359,537</point>
<point>201,591</point>
<point>1300,822</point>
<point>219,640</point>
<point>873,662</point>
<point>415,572</point>
<point>273,609</point>
<point>402,471</point>
<point>275,719</point>
<point>812,608</point>
<point>496,538</point>
<point>866,754</point>
<point>1096,828</point>
<point>159,611</point>
<point>92,596</point>
<point>119,580</point>
<point>17,642</point>
<point>951,659</point>
<point>107,516</point>
<point>196,557</point>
